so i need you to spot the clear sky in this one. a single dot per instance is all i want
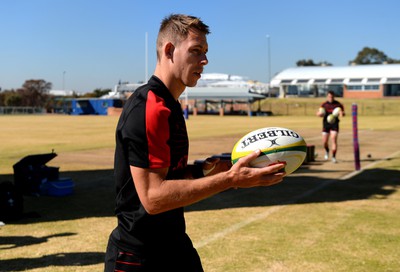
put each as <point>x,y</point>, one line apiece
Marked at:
<point>88,44</point>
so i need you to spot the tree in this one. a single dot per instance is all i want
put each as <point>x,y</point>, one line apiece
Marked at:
<point>13,100</point>
<point>97,93</point>
<point>310,62</point>
<point>304,62</point>
<point>372,56</point>
<point>10,98</point>
<point>34,92</point>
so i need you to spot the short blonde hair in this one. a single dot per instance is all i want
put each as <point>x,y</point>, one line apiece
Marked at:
<point>175,28</point>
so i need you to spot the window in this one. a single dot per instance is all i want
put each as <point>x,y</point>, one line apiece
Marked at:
<point>373,80</point>
<point>371,87</point>
<point>353,80</point>
<point>337,80</point>
<point>354,87</point>
<point>292,90</point>
<point>363,87</point>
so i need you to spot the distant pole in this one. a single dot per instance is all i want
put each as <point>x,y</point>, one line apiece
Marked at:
<point>269,64</point>
<point>355,138</point>
<point>146,58</point>
<point>63,81</point>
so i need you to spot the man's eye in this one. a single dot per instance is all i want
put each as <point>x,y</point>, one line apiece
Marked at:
<point>197,52</point>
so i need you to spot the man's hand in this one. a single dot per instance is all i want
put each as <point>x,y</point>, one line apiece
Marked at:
<point>245,176</point>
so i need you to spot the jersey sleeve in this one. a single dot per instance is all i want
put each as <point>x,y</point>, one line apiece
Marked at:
<point>143,132</point>
<point>157,131</point>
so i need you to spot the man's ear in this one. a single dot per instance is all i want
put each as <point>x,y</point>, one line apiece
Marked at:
<point>169,50</point>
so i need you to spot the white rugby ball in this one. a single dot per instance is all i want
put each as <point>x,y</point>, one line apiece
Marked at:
<point>336,111</point>
<point>331,119</point>
<point>277,144</point>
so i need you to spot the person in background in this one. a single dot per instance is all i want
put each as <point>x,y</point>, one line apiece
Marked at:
<point>330,124</point>
<point>153,179</point>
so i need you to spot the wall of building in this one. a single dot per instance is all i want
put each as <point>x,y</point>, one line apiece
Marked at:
<point>362,93</point>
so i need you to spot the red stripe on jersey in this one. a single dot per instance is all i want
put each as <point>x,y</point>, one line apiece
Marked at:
<point>157,131</point>
<point>129,263</point>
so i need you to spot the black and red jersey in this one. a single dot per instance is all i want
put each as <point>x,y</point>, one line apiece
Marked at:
<point>151,133</point>
<point>329,107</point>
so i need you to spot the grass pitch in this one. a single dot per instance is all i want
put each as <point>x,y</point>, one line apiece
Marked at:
<point>316,220</point>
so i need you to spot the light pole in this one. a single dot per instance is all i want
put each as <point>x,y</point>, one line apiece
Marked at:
<point>146,77</point>
<point>63,82</point>
<point>269,65</point>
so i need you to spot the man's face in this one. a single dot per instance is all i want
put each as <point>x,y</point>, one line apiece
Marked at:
<point>190,58</point>
<point>330,97</point>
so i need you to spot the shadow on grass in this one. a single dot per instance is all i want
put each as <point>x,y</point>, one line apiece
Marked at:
<point>374,183</point>
<point>94,194</point>
<point>60,259</point>
<point>94,197</point>
<point>9,242</point>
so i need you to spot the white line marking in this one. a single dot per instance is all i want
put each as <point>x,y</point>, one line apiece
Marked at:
<point>368,166</point>
<point>259,216</point>
<point>276,208</point>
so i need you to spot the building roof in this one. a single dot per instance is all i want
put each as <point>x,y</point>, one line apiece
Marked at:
<point>373,73</point>
<point>218,93</point>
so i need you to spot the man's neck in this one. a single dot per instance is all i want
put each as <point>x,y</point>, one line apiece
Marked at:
<point>174,87</point>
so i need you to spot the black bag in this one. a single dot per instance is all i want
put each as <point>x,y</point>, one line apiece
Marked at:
<point>11,202</point>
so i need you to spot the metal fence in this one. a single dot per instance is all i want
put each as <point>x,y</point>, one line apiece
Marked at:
<point>310,108</point>
<point>21,110</point>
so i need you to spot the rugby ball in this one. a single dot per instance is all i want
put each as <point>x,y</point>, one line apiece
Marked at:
<point>331,119</point>
<point>336,111</point>
<point>277,144</point>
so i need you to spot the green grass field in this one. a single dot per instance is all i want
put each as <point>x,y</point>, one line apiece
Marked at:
<point>318,219</point>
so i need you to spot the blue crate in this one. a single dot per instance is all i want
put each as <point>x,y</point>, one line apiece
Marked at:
<point>60,187</point>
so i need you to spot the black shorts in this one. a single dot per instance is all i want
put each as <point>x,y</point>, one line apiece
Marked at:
<point>121,260</point>
<point>330,127</point>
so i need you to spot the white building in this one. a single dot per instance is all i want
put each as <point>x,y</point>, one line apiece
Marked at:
<point>61,92</point>
<point>358,81</point>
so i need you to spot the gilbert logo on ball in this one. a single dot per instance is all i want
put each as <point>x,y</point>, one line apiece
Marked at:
<point>277,144</point>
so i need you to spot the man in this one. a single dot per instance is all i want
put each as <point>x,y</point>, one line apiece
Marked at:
<point>330,126</point>
<point>153,180</point>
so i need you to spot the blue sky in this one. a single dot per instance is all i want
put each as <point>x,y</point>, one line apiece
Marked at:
<point>89,44</point>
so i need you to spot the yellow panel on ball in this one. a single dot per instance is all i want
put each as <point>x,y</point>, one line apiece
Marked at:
<point>277,144</point>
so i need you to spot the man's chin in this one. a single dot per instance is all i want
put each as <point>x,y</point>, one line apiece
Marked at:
<point>191,83</point>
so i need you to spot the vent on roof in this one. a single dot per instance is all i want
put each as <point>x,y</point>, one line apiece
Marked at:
<point>337,80</point>
<point>393,80</point>
<point>302,80</point>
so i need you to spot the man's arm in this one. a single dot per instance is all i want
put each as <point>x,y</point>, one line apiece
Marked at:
<point>159,195</point>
